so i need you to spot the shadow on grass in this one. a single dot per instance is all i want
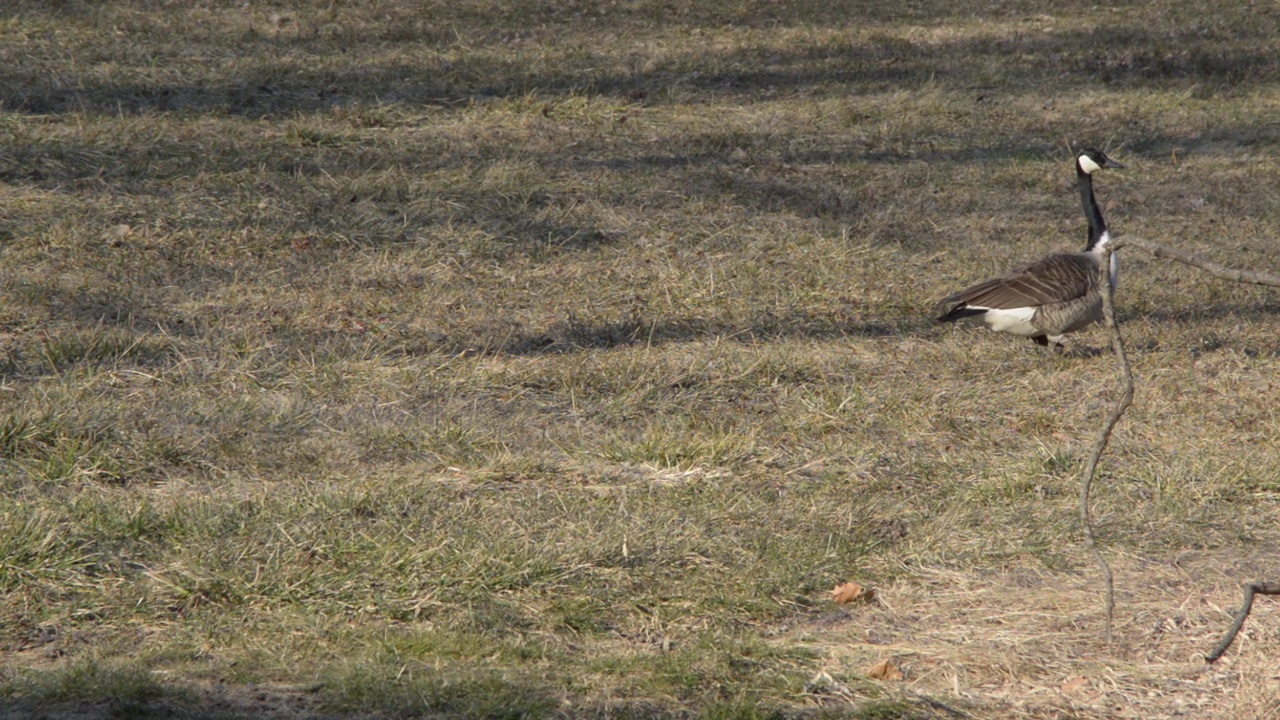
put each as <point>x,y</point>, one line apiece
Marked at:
<point>144,698</point>
<point>1235,53</point>
<point>273,81</point>
<point>575,336</point>
<point>257,704</point>
<point>495,54</point>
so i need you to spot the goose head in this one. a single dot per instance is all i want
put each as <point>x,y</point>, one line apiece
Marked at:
<point>1092,160</point>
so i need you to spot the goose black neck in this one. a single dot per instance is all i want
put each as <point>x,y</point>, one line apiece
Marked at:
<point>1097,225</point>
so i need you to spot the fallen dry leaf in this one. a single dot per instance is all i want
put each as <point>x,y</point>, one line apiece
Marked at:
<point>846,593</point>
<point>116,236</point>
<point>851,592</point>
<point>1072,684</point>
<point>885,670</point>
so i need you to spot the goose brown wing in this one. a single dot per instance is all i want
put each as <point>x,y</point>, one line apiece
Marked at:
<point>1055,279</point>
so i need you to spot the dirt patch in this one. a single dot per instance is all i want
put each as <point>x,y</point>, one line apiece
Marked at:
<point>1022,642</point>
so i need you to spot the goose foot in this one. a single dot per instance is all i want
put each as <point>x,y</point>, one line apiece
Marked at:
<point>1053,345</point>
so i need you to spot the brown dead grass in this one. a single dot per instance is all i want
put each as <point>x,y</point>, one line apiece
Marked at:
<point>556,359</point>
<point>1021,642</point>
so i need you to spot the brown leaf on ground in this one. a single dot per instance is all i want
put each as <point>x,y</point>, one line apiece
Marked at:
<point>1073,684</point>
<point>885,670</point>
<point>851,592</point>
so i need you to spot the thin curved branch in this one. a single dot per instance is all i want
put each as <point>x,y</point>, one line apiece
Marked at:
<point>1261,588</point>
<point>1221,272</point>
<point>1126,398</point>
<point>1122,404</point>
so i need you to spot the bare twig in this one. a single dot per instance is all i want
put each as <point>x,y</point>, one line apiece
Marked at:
<point>1122,404</point>
<point>1219,271</point>
<point>1126,398</point>
<point>1260,588</point>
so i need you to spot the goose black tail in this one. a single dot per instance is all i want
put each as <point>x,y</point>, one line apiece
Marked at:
<point>959,312</point>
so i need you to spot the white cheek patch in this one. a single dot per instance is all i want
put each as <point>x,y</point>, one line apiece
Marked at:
<point>1088,165</point>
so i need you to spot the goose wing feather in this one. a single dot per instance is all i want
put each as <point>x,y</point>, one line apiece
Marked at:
<point>1058,278</point>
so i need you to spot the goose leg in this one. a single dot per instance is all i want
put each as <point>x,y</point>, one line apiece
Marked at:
<point>1051,343</point>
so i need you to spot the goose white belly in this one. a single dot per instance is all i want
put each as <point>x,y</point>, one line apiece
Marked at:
<point>1015,321</point>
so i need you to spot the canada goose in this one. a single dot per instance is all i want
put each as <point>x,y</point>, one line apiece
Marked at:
<point>1053,296</point>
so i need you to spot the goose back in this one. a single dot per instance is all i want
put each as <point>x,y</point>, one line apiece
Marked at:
<point>1062,288</point>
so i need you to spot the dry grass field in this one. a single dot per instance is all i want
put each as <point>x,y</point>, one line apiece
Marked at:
<point>556,359</point>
